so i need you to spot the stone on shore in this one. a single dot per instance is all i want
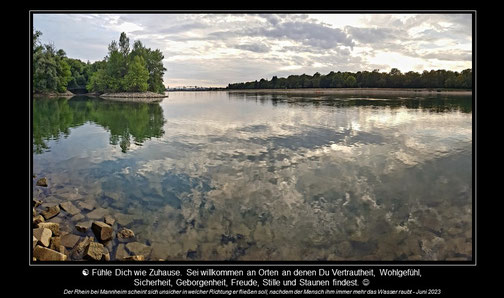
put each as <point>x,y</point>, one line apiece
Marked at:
<point>43,235</point>
<point>70,208</point>
<point>42,182</point>
<point>50,212</point>
<point>37,219</point>
<point>46,254</point>
<point>94,251</point>
<point>102,230</point>
<point>54,227</point>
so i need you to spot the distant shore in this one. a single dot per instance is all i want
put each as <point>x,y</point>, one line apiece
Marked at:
<point>356,91</point>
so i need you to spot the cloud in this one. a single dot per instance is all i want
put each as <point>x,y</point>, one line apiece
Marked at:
<point>375,35</point>
<point>257,47</point>
<point>306,33</point>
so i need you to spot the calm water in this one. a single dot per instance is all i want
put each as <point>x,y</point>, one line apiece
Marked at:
<point>221,176</point>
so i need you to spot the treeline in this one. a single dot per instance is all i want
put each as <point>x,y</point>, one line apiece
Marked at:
<point>123,70</point>
<point>365,79</point>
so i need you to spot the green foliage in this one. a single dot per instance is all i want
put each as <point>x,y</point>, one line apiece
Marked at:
<point>366,79</point>
<point>137,76</point>
<point>123,69</point>
<point>51,72</point>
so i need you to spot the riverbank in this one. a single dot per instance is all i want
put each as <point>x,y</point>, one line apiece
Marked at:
<point>54,94</point>
<point>358,91</point>
<point>134,96</point>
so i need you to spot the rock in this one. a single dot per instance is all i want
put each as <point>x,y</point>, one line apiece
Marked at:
<point>36,203</point>
<point>69,240</point>
<point>37,219</point>
<point>121,252</point>
<point>42,182</point>
<point>54,227</point>
<point>77,217</point>
<point>134,258</point>
<point>125,235</point>
<point>70,208</point>
<point>109,220</point>
<point>79,249</point>
<point>137,248</point>
<point>124,219</point>
<point>46,254</point>
<point>102,230</point>
<point>83,226</point>
<point>94,251</point>
<point>85,205</point>
<point>35,241</point>
<point>55,243</point>
<point>98,213</point>
<point>50,212</point>
<point>43,235</point>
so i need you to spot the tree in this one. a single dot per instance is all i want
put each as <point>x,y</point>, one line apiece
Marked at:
<point>51,72</point>
<point>137,76</point>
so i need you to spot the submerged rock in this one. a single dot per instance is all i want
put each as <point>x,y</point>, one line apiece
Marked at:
<point>42,182</point>
<point>125,235</point>
<point>50,212</point>
<point>83,226</point>
<point>69,240</point>
<point>69,207</point>
<point>109,220</point>
<point>137,248</point>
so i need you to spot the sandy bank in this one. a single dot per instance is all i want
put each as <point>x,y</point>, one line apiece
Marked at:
<point>134,96</point>
<point>358,91</point>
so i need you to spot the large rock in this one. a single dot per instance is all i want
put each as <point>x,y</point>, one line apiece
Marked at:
<point>46,254</point>
<point>95,251</point>
<point>54,227</point>
<point>80,248</point>
<point>102,231</point>
<point>70,208</point>
<point>35,241</point>
<point>43,235</point>
<point>50,212</point>
<point>69,240</point>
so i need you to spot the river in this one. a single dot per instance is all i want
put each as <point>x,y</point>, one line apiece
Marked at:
<point>232,176</point>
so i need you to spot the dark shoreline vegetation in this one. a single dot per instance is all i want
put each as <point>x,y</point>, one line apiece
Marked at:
<point>434,79</point>
<point>124,69</point>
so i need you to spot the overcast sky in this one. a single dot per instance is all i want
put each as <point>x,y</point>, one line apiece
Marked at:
<point>217,49</point>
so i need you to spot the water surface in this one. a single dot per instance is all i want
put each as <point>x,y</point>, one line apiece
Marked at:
<point>230,176</point>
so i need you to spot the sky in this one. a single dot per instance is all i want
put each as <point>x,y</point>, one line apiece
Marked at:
<point>218,49</point>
